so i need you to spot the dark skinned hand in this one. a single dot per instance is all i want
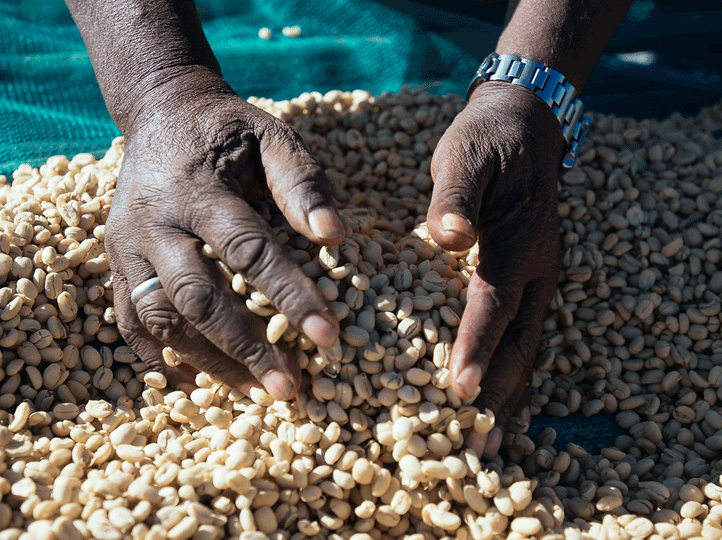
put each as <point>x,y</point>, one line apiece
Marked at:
<point>193,159</point>
<point>495,172</point>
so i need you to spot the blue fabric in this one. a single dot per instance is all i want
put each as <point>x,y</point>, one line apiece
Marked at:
<point>592,434</point>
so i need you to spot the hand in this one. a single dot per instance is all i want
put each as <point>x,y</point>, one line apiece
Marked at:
<point>193,157</point>
<point>495,172</point>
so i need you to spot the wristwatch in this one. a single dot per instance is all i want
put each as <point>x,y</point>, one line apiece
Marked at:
<point>548,84</point>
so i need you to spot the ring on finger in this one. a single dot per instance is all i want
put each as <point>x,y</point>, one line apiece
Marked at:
<point>145,288</point>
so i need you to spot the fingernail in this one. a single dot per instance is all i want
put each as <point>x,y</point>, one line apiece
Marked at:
<point>279,385</point>
<point>326,223</point>
<point>493,443</point>
<point>476,441</point>
<point>459,225</point>
<point>469,379</point>
<point>319,330</point>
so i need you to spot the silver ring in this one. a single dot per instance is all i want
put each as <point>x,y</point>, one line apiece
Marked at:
<point>145,288</point>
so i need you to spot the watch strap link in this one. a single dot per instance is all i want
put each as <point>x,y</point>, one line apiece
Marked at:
<point>548,84</point>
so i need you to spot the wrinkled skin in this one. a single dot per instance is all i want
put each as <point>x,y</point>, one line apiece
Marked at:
<point>196,154</point>
<point>187,173</point>
<point>186,179</point>
<point>496,167</point>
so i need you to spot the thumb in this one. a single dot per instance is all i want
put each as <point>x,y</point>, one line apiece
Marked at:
<point>299,186</point>
<point>461,168</point>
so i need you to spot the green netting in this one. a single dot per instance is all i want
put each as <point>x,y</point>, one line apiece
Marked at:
<point>50,102</point>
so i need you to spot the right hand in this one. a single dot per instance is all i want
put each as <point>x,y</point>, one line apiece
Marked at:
<point>193,158</point>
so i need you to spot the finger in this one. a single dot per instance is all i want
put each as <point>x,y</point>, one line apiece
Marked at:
<point>505,386</point>
<point>299,185</point>
<point>515,353</point>
<point>488,312</point>
<point>245,242</point>
<point>523,408</point>
<point>495,437</point>
<point>514,405</point>
<point>204,298</point>
<point>488,444</point>
<point>147,347</point>
<point>165,324</point>
<point>461,168</point>
<point>476,442</point>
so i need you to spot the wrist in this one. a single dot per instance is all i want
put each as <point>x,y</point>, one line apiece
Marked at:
<point>534,121</point>
<point>163,94</point>
<point>566,35</point>
<point>548,85</point>
<point>139,46</point>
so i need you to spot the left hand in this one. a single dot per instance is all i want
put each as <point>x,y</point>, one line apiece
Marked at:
<point>495,172</point>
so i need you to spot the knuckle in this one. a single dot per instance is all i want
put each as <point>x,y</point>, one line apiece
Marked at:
<point>253,354</point>
<point>141,346</point>
<point>461,148</point>
<point>129,332</point>
<point>294,294</point>
<point>248,253</point>
<point>456,192</point>
<point>458,196</point>
<point>194,298</point>
<point>275,133</point>
<point>233,375</point>
<point>165,325</point>
<point>114,226</point>
<point>450,158</point>
<point>231,154</point>
<point>282,131</point>
<point>130,328</point>
<point>303,188</point>
<point>306,180</point>
<point>484,354</point>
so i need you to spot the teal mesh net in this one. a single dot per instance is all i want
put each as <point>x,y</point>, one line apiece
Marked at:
<point>50,102</point>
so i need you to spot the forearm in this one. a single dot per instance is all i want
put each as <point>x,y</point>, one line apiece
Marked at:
<point>567,35</point>
<point>139,46</point>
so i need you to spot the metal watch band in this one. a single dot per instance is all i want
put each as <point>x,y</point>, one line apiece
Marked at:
<point>548,84</point>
